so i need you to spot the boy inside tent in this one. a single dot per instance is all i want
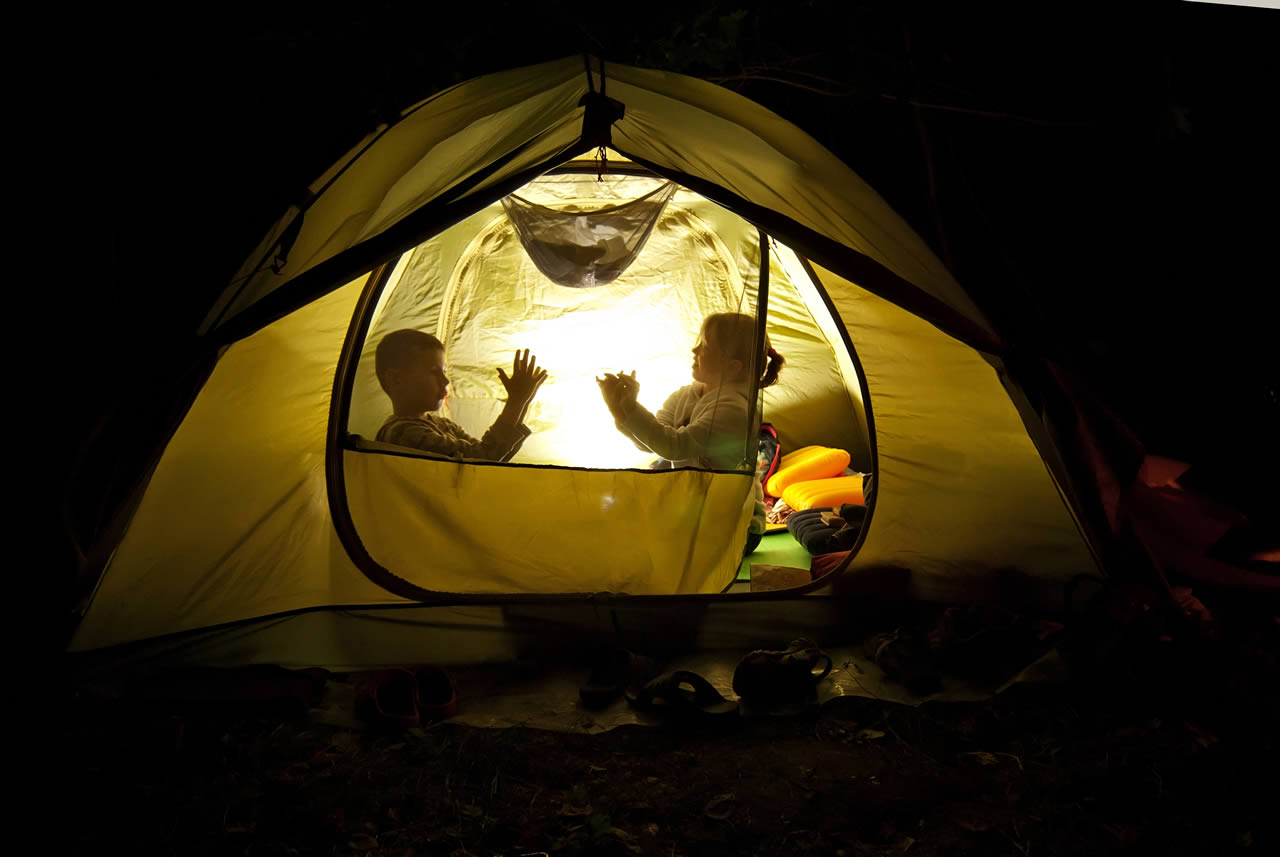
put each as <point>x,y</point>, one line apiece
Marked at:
<point>410,368</point>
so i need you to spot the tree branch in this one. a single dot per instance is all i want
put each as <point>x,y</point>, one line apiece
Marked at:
<point>990,114</point>
<point>765,73</point>
<point>725,79</point>
<point>765,67</point>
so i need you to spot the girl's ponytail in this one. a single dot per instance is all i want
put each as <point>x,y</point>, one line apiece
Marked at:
<point>772,368</point>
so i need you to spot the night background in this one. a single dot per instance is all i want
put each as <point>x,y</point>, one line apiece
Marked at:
<point>1100,177</point>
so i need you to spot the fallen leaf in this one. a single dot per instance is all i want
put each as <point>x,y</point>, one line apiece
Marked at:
<point>1203,738</point>
<point>982,757</point>
<point>985,759</point>
<point>869,734</point>
<point>1127,834</point>
<point>344,741</point>
<point>295,773</point>
<point>977,825</point>
<point>719,807</point>
<point>973,816</point>
<point>627,839</point>
<point>362,842</point>
<point>569,809</point>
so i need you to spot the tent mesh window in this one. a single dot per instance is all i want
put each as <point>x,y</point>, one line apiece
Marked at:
<point>588,289</point>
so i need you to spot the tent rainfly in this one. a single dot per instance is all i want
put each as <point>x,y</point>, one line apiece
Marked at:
<point>595,214</point>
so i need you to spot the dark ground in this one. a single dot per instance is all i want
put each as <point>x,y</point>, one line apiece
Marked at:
<point>1164,748</point>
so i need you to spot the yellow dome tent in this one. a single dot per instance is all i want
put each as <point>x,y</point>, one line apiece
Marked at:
<point>274,529</point>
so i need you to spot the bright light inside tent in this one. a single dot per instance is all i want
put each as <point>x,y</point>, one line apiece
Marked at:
<point>639,332</point>
<point>497,301</point>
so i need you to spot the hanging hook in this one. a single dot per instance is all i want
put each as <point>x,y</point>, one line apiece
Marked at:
<point>600,114</point>
<point>602,163</point>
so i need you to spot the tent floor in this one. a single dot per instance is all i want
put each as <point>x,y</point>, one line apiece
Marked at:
<point>343,640</point>
<point>777,548</point>
<point>361,637</point>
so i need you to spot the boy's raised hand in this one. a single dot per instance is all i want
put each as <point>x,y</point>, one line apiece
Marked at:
<point>525,378</point>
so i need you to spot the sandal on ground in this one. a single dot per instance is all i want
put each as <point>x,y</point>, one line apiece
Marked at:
<point>437,693</point>
<point>681,693</point>
<point>780,677</point>
<point>905,658</point>
<point>388,699</point>
<point>612,674</point>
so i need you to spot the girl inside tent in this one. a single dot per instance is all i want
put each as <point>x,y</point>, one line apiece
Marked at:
<point>704,424</point>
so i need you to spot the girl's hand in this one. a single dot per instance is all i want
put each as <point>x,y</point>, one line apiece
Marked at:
<point>609,390</point>
<point>629,388</point>
<point>619,393</point>
<point>525,379</point>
